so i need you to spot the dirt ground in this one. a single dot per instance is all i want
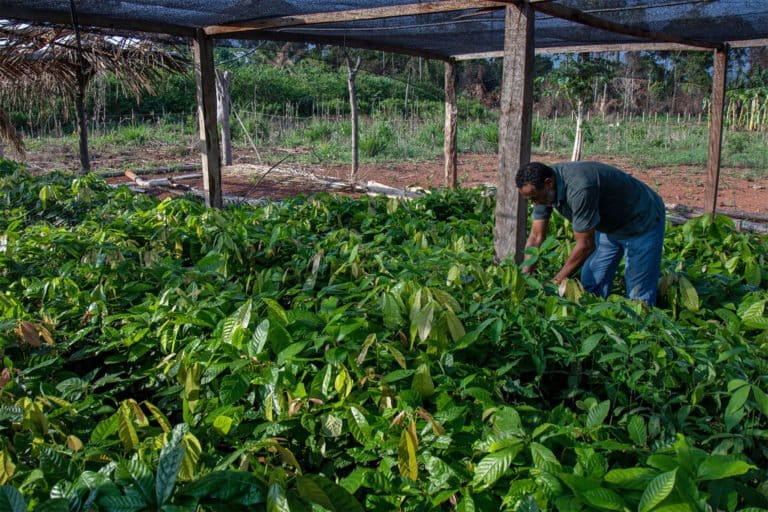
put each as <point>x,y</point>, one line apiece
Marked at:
<point>678,185</point>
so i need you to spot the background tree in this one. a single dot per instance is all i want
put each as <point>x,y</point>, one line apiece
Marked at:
<point>39,65</point>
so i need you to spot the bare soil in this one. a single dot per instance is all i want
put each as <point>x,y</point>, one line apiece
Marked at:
<point>677,185</point>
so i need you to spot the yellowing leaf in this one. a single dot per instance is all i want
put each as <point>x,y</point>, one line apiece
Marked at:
<point>7,467</point>
<point>74,443</point>
<point>406,453</point>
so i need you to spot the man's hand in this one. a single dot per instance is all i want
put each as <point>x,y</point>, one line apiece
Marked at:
<point>585,245</point>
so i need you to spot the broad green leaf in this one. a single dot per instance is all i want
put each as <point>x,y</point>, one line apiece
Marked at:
<point>715,467</point>
<point>422,381</point>
<point>761,398</point>
<point>369,341</point>
<point>604,499</point>
<point>467,504</point>
<point>232,389</point>
<point>753,273</point>
<point>688,294</point>
<point>423,321</point>
<point>11,499</point>
<point>232,487</point>
<point>132,503</point>
<point>492,466</point>
<point>238,321</point>
<point>290,352</point>
<point>406,453</point>
<point>598,414</point>
<point>323,492</point>
<point>637,430</point>
<point>454,325</point>
<point>735,409</point>
<point>259,339</point>
<point>543,458</point>
<point>192,451</point>
<point>631,478</point>
<point>393,317</point>
<point>277,501</point>
<point>658,489</point>
<point>276,311</point>
<point>589,344</point>
<point>169,463</point>
<point>439,472</point>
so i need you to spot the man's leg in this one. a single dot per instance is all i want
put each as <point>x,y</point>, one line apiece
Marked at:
<point>643,265</point>
<point>600,268</point>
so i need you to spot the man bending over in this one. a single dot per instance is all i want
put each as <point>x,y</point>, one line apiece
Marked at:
<point>613,215</point>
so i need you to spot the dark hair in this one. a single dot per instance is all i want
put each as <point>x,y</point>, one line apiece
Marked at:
<point>534,173</point>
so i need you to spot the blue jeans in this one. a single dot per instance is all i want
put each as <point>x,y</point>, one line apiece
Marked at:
<point>642,268</point>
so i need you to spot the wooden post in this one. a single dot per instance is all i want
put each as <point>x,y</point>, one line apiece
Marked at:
<point>514,130</point>
<point>352,87</point>
<point>716,130</point>
<point>202,48</point>
<point>223,110</point>
<point>449,132</point>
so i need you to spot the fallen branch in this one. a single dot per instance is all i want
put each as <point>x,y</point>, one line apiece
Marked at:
<point>158,170</point>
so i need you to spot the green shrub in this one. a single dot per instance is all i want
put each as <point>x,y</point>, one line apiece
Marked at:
<point>375,141</point>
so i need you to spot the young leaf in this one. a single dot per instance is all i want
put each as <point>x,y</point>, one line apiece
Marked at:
<point>7,467</point>
<point>323,492</point>
<point>543,458</point>
<point>406,454</point>
<point>422,381</point>
<point>715,467</point>
<point>125,428</point>
<point>659,488</point>
<point>158,415</point>
<point>688,294</point>
<point>393,317</point>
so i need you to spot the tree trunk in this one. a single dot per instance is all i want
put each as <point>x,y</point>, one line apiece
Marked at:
<point>449,133</point>
<point>351,76</point>
<point>576,155</point>
<point>82,120</point>
<point>223,109</point>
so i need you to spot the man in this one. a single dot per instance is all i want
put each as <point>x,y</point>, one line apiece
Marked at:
<point>613,215</point>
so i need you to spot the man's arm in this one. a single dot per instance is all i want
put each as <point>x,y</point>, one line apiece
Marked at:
<point>585,245</point>
<point>536,237</point>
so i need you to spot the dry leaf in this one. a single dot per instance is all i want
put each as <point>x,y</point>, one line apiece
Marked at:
<point>28,334</point>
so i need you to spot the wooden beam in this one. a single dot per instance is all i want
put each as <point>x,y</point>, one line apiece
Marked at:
<point>716,130</point>
<point>514,130</point>
<point>451,178</point>
<point>567,13</point>
<point>371,13</point>
<point>749,43</point>
<point>31,14</point>
<point>596,48</point>
<point>346,42</point>
<point>202,49</point>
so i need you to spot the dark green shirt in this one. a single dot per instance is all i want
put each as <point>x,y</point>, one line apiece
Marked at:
<point>593,195</point>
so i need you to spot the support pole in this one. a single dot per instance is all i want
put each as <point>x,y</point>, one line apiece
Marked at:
<point>449,133</point>
<point>206,109</point>
<point>82,122</point>
<point>514,130</point>
<point>716,130</point>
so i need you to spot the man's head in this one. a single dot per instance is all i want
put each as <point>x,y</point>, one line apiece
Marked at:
<point>536,182</point>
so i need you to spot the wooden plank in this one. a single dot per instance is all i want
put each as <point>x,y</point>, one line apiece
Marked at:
<point>451,178</point>
<point>33,14</point>
<point>514,131</point>
<point>202,48</point>
<point>716,130</point>
<point>583,18</point>
<point>371,13</point>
